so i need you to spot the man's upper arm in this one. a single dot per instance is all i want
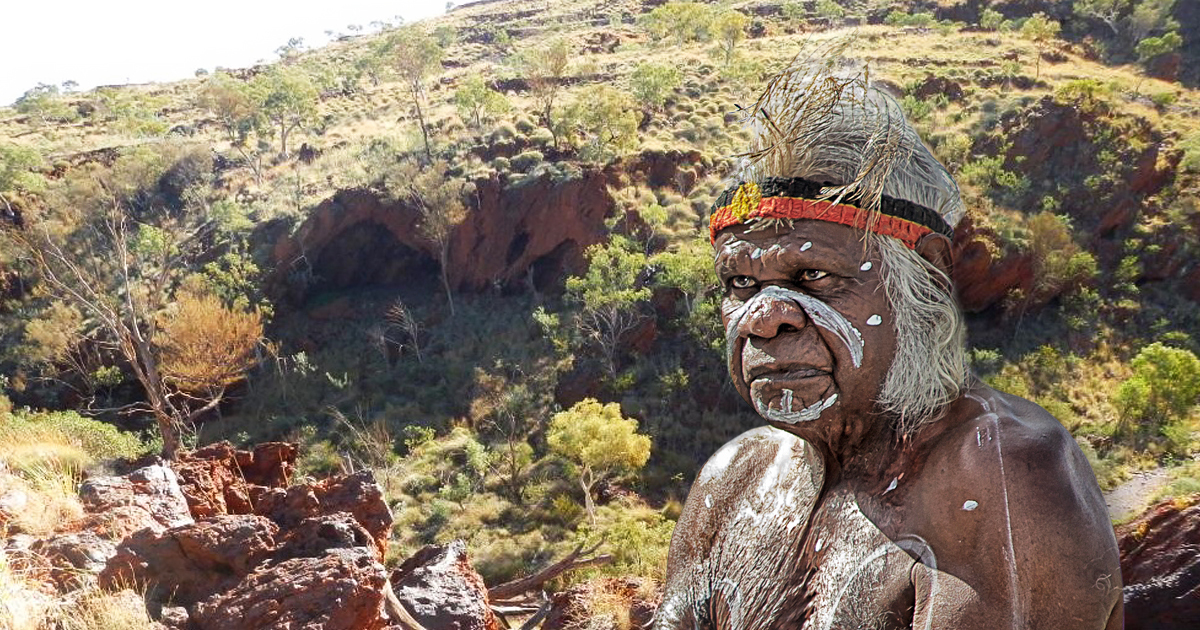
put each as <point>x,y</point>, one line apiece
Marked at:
<point>1045,558</point>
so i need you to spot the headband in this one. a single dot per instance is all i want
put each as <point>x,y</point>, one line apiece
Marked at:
<point>797,198</point>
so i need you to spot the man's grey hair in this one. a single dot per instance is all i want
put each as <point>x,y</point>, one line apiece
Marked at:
<point>823,124</point>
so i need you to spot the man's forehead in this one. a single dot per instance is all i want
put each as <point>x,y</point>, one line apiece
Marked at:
<point>818,237</point>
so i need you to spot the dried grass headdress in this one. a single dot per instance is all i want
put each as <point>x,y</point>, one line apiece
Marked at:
<point>827,145</point>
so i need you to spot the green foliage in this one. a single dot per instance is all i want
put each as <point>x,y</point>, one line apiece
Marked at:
<point>602,121</point>
<point>1058,262</point>
<point>612,276</point>
<point>651,83</point>
<point>18,169</point>
<point>1039,28</point>
<point>132,113</point>
<point>1164,386</point>
<point>685,21</point>
<point>599,441</point>
<point>289,100</point>
<point>990,19</point>
<point>1191,154</point>
<point>477,102</point>
<point>730,28</point>
<point>830,9</point>
<point>416,54</point>
<point>637,539</point>
<point>101,441</point>
<point>1151,47</point>
<point>988,173</point>
<point>45,102</point>
<point>921,19</point>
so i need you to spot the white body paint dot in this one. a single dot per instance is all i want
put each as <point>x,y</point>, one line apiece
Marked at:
<point>708,500</point>
<point>874,320</point>
<point>866,266</point>
<point>805,246</point>
<point>892,486</point>
<point>970,505</point>
<point>820,543</point>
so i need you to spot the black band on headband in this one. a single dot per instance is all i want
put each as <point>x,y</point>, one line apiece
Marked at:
<point>801,188</point>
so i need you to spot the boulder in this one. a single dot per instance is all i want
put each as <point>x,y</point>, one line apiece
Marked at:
<point>148,497</point>
<point>1160,567</point>
<point>340,590</point>
<point>441,589</point>
<point>189,563</point>
<point>314,536</point>
<point>636,599</point>
<point>74,558</point>
<point>356,494</point>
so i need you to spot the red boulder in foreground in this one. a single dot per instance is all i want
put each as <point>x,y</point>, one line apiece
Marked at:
<point>1160,566</point>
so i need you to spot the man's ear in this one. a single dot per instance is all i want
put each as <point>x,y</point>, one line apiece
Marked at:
<point>935,248</point>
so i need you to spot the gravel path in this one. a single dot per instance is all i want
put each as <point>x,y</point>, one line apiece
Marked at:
<point>1133,495</point>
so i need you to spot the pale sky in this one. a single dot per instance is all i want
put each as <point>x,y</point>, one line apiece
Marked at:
<point>105,42</point>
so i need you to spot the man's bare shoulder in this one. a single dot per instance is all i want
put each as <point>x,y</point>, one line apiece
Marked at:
<point>753,454</point>
<point>1013,506</point>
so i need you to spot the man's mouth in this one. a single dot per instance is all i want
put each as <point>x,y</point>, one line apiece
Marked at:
<point>784,373</point>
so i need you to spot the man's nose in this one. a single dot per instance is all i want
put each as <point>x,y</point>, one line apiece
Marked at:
<point>770,315</point>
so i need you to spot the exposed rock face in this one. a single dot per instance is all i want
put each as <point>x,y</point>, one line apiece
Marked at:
<point>187,564</point>
<point>1160,567</point>
<point>74,558</point>
<point>339,590</point>
<point>217,479</point>
<point>517,230</point>
<point>356,494</point>
<point>636,597</point>
<point>441,589</point>
<point>981,277</point>
<point>148,497</point>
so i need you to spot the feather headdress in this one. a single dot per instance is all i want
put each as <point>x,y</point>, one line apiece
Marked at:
<point>828,145</point>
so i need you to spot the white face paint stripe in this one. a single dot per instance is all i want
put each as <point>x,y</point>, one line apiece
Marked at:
<point>787,416</point>
<point>822,315</point>
<point>805,246</point>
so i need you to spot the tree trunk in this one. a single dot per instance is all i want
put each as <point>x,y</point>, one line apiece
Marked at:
<point>284,128</point>
<point>586,482</point>
<point>416,94</point>
<point>445,255</point>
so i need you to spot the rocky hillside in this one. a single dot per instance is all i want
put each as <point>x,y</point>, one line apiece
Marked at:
<point>411,251</point>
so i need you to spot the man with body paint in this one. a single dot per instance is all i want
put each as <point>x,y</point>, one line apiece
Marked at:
<point>891,488</point>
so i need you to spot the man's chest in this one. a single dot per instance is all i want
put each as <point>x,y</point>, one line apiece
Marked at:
<point>832,569</point>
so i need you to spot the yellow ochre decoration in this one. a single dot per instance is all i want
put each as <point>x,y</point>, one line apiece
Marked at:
<point>745,201</point>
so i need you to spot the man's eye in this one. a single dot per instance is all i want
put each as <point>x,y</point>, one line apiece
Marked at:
<point>742,282</point>
<point>808,275</point>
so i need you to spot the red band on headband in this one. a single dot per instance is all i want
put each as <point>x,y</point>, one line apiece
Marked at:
<point>793,208</point>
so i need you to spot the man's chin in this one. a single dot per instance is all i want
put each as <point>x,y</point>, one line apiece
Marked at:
<point>792,401</point>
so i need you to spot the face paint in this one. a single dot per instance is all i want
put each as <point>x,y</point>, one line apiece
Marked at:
<point>893,485</point>
<point>874,320</point>
<point>866,266</point>
<point>819,312</point>
<point>805,246</point>
<point>787,416</point>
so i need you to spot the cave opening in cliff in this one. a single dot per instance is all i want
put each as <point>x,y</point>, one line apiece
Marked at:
<point>547,272</point>
<point>368,255</point>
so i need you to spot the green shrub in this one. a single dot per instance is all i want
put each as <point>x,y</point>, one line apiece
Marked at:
<point>524,162</point>
<point>99,440</point>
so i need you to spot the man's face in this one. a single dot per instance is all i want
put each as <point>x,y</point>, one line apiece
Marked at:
<point>809,330</point>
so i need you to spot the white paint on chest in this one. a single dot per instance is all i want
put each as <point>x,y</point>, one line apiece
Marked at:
<point>806,246</point>
<point>718,463</point>
<point>970,505</point>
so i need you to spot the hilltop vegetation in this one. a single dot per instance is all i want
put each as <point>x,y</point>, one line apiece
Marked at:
<point>291,251</point>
